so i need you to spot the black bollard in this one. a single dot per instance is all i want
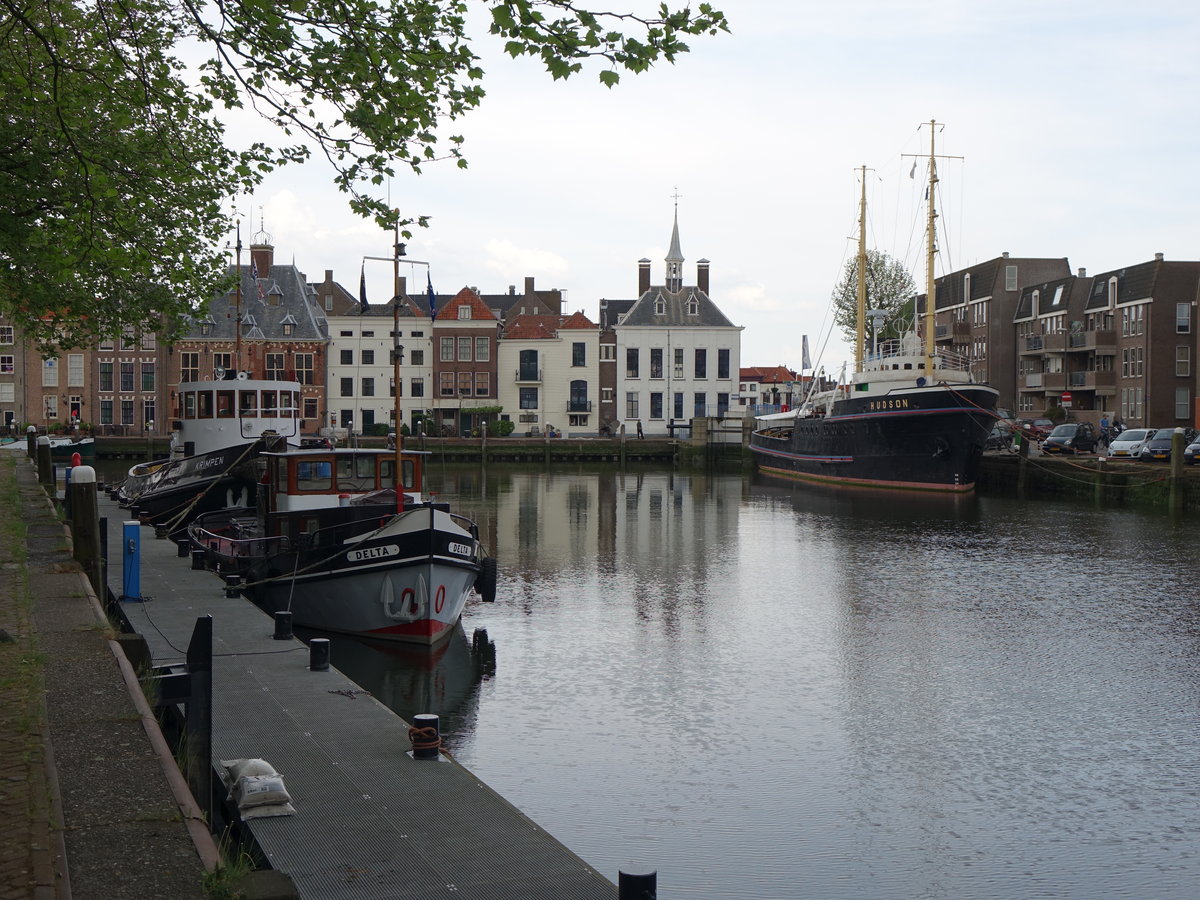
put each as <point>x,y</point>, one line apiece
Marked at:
<point>283,625</point>
<point>636,886</point>
<point>233,585</point>
<point>197,559</point>
<point>425,735</point>
<point>183,549</point>
<point>318,654</point>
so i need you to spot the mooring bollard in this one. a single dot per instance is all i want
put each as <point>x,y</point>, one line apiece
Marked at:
<point>425,735</point>
<point>637,886</point>
<point>283,626</point>
<point>318,654</point>
<point>85,525</point>
<point>197,559</point>
<point>183,549</point>
<point>233,585</point>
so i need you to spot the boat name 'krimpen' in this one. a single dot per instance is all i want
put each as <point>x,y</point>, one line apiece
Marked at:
<point>888,403</point>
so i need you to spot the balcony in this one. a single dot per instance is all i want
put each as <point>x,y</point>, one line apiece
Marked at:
<point>579,406</point>
<point>528,375</point>
<point>1102,343</point>
<point>1101,382</point>
<point>1031,344</point>
<point>1055,343</point>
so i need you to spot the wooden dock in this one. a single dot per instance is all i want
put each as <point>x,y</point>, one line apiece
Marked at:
<point>370,821</point>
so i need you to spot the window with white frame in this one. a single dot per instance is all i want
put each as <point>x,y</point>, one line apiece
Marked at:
<point>1183,403</point>
<point>447,349</point>
<point>6,334</point>
<point>631,405</point>
<point>49,373</point>
<point>464,349</point>
<point>8,392</point>
<point>1010,278</point>
<point>483,350</point>
<point>1183,318</point>
<point>8,365</point>
<point>464,312</point>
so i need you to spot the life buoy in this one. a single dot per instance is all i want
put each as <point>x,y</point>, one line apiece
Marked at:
<point>410,596</point>
<point>439,599</point>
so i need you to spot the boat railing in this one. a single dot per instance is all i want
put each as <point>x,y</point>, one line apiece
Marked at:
<point>232,546</point>
<point>896,347</point>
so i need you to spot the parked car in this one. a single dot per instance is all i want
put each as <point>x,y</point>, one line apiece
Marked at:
<point>1000,437</point>
<point>317,443</point>
<point>1037,428</point>
<point>1128,444</point>
<point>1158,448</point>
<point>1191,451</point>
<point>1071,437</point>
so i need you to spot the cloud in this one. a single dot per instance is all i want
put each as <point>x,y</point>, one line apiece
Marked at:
<point>507,258</point>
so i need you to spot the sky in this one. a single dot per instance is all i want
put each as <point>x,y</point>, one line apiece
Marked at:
<point>1076,123</point>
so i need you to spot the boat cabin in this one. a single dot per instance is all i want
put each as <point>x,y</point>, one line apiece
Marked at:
<point>221,413</point>
<point>320,479</point>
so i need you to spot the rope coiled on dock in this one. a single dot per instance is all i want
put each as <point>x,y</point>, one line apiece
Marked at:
<point>425,739</point>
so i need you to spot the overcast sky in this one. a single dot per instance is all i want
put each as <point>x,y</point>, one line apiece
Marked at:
<point>1077,122</point>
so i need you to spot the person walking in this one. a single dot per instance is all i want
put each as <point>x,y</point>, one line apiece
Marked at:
<point>641,434</point>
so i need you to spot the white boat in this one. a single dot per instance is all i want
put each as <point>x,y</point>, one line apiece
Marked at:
<point>220,427</point>
<point>329,543</point>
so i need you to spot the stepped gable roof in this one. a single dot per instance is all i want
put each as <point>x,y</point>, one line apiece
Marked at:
<point>466,297</point>
<point>675,309</point>
<point>286,297</point>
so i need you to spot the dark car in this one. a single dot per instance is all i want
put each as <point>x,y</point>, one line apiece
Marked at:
<point>1158,448</point>
<point>1072,437</point>
<point>1000,437</point>
<point>317,443</point>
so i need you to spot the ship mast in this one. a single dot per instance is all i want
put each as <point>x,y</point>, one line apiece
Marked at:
<point>861,319</point>
<point>930,252</point>
<point>237,325</point>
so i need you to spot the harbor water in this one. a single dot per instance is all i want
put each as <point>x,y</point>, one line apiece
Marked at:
<point>768,691</point>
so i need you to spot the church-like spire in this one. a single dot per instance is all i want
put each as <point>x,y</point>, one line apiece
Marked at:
<point>675,255</point>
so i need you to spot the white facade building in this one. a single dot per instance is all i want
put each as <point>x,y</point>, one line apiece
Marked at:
<point>678,356</point>
<point>553,363</point>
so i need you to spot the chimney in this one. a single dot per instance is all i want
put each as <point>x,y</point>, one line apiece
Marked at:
<point>1082,272</point>
<point>263,257</point>
<point>643,276</point>
<point>1158,257</point>
<point>702,275</point>
<point>329,276</point>
<point>528,285</point>
<point>1005,254</point>
<point>402,287</point>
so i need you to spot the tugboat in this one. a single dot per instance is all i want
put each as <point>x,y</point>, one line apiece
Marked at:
<point>911,417</point>
<point>336,540</point>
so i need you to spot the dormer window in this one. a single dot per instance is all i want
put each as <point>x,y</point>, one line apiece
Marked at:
<point>288,328</point>
<point>660,307</point>
<point>693,307</point>
<point>464,312</point>
<point>205,327</point>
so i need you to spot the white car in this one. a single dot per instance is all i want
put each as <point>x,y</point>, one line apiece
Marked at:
<point>1128,444</point>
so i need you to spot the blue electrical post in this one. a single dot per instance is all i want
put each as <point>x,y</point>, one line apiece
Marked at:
<point>131,542</point>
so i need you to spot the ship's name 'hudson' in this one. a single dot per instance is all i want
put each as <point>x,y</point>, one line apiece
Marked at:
<point>888,403</point>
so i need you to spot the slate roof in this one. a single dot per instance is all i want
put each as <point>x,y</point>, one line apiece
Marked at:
<point>612,310</point>
<point>295,304</point>
<point>1050,299</point>
<point>675,309</point>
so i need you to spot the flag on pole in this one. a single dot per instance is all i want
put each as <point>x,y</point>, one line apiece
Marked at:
<point>432,296</point>
<point>912,173</point>
<point>362,285</point>
<point>254,274</point>
<point>805,362</point>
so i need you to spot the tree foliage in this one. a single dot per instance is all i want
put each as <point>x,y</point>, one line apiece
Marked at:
<point>115,168</point>
<point>890,287</point>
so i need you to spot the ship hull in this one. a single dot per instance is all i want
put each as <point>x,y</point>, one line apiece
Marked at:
<point>928,439</point>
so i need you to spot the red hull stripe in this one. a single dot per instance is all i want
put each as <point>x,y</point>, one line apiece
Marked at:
<point>426,628</point>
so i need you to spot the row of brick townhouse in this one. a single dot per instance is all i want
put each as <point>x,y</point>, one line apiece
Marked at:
<point>1123,342</point>
<point>657,360</point>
